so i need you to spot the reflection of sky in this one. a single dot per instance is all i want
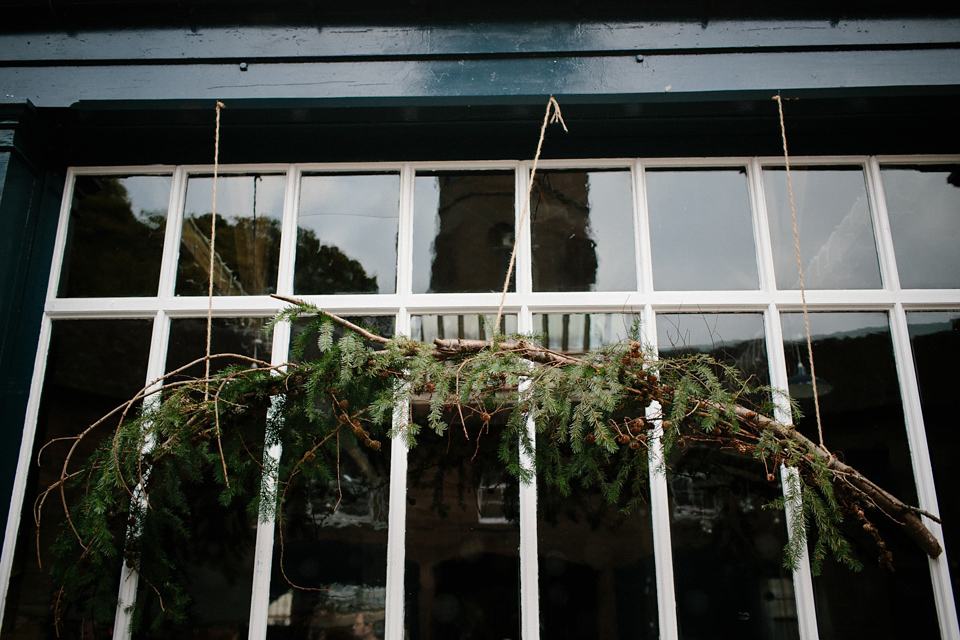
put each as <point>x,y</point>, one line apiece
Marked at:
<point>700,230</point>
<point>702,332</point>
<point>610,199</point>
<point>924,214</point>
<point>358,214</point>
<point>235,196</point>
<point>925,322</point>
<point>833,224</point>
<point>149,195</point>
<point>833,325</point>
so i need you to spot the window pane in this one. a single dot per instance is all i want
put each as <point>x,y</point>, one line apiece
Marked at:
<point>596,568</point>
<point>862,418</point>
<point>582,331</point>
<point>701,230</point>
<point>115,236</point>
<point>936,351</point>
<point>837,247</point>
<point>249,210</point>
<point>214,561</point>
<point>462,231</point>
<point>582,226</point>
<point>470,326</point>
<point>924,207</point>
<point>347,234</point>
<point>72,400</point>
<point>462,569</point>
<point>727,548</point>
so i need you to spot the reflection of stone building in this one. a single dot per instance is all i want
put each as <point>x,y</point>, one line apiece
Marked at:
<point>473,244</point>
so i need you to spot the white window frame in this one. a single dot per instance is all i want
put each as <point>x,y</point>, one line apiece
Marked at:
<point>403,303</point>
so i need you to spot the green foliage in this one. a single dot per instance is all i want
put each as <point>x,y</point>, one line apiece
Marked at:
<point>599,421</point>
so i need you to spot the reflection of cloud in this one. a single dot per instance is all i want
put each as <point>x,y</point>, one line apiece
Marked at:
<point>358,214</point>
<point>148,195</point>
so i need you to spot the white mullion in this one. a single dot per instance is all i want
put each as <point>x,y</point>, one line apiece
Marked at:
<point>644,248</point>
<point>529,552</point>
<point>397,516</point>
<point>405,232</point>
<point>129,578</point>
<point>24,461</point>
<point>288,233</point>
<point>761,228</point>
<point>263,547</point>
<point>660,504</point>
<point>523,214</point>
<point>59,247</point>
<point>171,239</point>
<point>923,470</point>
<point>802,578</point>
<point>883,237</point>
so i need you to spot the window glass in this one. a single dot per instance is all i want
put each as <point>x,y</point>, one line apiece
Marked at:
<point>923,203</point>
<point>701,229</point>
<point>471,326</point>
<point>462,231</point>
<point>596,566</point>
<point>72,399</point>
<point>249,210</point>
<point>115,236</point>
<point>863,422</point>
<point>347,234</point>
<point>936,350</point>
<point>582,331</point>
<point>582,231</point>
<point>462,569</point>
<point>214,559</point>
<point>837,246</point>
<point>727,549</point>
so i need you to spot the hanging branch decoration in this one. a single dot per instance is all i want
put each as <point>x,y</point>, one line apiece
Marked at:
<point>590,413</point>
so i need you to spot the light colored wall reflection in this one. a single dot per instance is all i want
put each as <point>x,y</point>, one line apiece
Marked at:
<point>837,246</point>
<point>700,230</point>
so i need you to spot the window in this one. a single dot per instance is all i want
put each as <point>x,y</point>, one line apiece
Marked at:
<point>700,250</point>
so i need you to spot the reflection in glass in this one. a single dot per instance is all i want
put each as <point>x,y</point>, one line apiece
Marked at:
<point>115,236</point>
<point>727,548</point>
<point>582,231</point>
<point>701,231</point>
<point>215,563</point>
<point>596,565</point>
<point>573,332</point>
<point>936,351</point>
<point>347,234</point>
<point>463,570</point>
<point>837,247</point>
<point>462,231</point>
<point>863,420</point>
<point>72,399</point>
<point>249,210</point>
<point>470,326</point>
<point>923,203</point>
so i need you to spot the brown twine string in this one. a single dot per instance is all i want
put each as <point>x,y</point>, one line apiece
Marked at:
<point>213,247</point>
<point>803,291</point>
<point>547,119</point>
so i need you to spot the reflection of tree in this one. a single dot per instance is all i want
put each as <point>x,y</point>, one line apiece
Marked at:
<point>111,250</point>
<point>322,268</point>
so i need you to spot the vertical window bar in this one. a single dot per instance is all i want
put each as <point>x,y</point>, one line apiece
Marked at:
<point>881,226</point>
<point>529,556</point>
<point>171,239</point>
<point>660,505</point>
<point>129,579</point>
<point>24,460</point>
<point>405,234</point>
<point>397,517</point>
<point>644,251</point>
<point>523,267</point>
<point>761,229</point>
<point>922,469</point>
<point>263,554</point>
<point>802,578</point>
<point>288,235</point>
<point>59,247</point>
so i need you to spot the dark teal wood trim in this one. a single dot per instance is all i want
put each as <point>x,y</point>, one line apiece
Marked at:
<point>338,42</point>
